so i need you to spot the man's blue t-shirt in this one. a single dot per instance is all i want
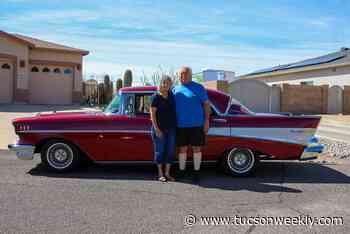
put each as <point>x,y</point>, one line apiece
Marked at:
<point>189,99</point>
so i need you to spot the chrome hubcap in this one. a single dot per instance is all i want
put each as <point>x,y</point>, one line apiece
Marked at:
<point>59,155</point>
<point>240,160</point>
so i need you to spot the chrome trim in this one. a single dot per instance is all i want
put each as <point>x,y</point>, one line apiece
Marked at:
<point>23,152</point>
<point>131,92</point>
<point>313,150</point>
<point>86,131</point>
<point>216,110</point>
<point>228,106</point>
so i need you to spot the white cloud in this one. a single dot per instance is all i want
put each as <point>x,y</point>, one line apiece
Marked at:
<point>111,54</point>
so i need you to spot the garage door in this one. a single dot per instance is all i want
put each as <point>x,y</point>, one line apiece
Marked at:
<point>51,85</point>
<point>6,81</point>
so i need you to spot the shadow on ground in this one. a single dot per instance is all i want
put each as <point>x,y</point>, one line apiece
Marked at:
<point>269,177</point>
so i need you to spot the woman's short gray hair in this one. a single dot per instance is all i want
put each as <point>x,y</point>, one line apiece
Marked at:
<point>164,78</point>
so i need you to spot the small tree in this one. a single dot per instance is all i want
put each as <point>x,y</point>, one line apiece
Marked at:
<point>127,79</point>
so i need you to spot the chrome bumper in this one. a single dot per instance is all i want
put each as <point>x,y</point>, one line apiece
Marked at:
<point>24,152</point>
<point>313,150</point>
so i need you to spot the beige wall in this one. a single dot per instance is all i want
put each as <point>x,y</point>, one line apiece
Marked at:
<point>20,50</point>
<point>339,76</point>
<point>61,57</point>
<point>38,54</point>
<point>221,85</point>
<point>252,93</point>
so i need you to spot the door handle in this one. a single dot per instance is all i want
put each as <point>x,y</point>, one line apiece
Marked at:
<point>220,120</point>
<point>127,138</point>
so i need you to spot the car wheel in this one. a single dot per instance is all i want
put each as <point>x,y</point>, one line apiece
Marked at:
<point>240,162</point>
<point>60,156</point>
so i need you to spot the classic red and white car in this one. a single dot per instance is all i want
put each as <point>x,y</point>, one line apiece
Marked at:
<point>238,138</point>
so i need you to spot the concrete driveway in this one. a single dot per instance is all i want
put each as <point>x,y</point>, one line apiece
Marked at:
<point>335,127</point>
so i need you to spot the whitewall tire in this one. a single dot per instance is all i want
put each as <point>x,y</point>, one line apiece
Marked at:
<point>60,156</point>
<point>240,162</point>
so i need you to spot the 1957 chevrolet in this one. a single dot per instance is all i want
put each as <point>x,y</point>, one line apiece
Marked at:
<point>237,140</point>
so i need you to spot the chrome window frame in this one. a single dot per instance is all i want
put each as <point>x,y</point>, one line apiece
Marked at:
<point>124,94</point>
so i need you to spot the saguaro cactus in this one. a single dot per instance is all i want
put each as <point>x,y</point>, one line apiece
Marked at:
<point>107,89</point>
<point>101,95</point>
<point>127,78</point>
<point>119,84</point>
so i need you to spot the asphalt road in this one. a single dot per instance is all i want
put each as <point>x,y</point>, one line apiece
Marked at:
<point>127,199</point>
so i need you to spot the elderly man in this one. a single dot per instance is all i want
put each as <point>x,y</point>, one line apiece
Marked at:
<point>192,113</point>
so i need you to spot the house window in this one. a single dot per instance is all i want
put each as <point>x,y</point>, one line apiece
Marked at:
<point>5,66</point>
<point>67,71</point>
<point>22,63</point>
<point>35,69</point>
<point>57,70</point>
<point>46,69</point>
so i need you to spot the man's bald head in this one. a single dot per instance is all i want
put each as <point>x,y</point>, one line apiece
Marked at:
<point>185,75</point>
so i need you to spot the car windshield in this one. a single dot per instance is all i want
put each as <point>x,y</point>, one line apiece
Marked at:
<point>114,105</point>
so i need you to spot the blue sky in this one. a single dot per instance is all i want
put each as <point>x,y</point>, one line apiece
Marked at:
<point>239,35</point>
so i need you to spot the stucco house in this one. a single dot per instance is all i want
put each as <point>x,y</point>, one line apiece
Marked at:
<point>39,72</point>
<point>331,69</point>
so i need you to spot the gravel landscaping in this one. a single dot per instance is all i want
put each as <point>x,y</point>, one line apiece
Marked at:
<point>338,149</point>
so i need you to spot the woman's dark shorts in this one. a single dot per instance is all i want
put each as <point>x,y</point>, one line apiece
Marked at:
<point>193,136</point>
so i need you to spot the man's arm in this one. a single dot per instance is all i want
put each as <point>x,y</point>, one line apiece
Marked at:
<point>206,106</point>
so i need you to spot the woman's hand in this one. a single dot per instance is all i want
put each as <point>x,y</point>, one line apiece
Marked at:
<point>159,133</point>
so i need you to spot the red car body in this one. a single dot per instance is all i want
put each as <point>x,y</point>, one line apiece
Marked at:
<point>125,136</point>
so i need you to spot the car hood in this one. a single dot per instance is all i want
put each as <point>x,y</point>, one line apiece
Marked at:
<point>58,116</point>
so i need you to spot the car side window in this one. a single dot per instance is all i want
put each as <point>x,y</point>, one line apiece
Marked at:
<point>213,112</point>
<point>129,105</point>
<point>235,109</point>
<point>143,103</point>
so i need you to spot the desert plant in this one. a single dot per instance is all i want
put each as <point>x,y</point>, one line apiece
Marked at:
<point>101,94</point>
<point>119,84</point>
<point>108,89</point>
<point>111,89</point>
<point>127,79</point>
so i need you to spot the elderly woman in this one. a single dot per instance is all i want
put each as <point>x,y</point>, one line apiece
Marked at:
<point>163,116</point>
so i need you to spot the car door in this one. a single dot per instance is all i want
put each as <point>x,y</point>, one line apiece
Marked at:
<point>218,136</point>
<point>130,139</point>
